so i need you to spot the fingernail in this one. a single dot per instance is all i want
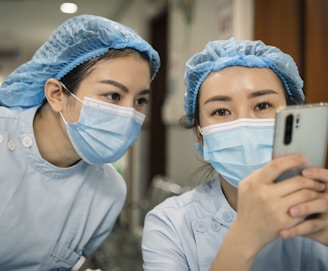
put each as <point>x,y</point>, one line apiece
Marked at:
<point>307,171</point>
<point>304,159</point>
<point>294,211</point>
<point>285,234</point>
<point>322,186</point>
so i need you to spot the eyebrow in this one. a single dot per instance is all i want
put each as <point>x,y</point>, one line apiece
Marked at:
<point>218,98</point>
<point>252,95</point>
<point>123,87</point>
<point>262,93</point>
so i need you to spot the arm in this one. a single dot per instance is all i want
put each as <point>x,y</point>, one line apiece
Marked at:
<point>161,249</point>
<point>235,252</point>
<point>104,210</point>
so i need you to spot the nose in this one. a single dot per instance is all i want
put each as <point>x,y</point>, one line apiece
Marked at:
<point>246,114</point>
<point>127,102</point>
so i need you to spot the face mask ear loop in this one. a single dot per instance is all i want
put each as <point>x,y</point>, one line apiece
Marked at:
<point>65,122</point>
<point>200,130</point>
<point>73,95</point>
<point>70,93</point>
<point>200,139</point>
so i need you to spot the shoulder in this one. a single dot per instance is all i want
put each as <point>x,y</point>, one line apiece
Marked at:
<point>8,124</point>
<point>15,124</point>
<point>7,114</point>
<point>108,197</point>
<point>172,226</point>
<point>9,117</point>
<point>111,184</point>
<point>201,201</point>
<point>111,179</point>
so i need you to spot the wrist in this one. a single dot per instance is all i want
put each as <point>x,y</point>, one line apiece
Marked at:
<point>247,244</point>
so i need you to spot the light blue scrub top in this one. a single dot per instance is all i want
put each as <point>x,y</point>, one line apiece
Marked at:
<point>50,216</point>
<point>186,232</point>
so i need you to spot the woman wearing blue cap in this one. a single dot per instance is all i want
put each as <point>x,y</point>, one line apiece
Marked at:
<point>76,106</point>
<point>234,88</point>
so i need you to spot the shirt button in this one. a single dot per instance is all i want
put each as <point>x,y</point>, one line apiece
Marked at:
<point>11,145</point>
<point>27,141</point>
<point>215,226</point>
<point>227,216</point>
<point>200,226</point>
<point>1,138</point>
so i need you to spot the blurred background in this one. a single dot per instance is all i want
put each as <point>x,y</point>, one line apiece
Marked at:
<point>163,161</point>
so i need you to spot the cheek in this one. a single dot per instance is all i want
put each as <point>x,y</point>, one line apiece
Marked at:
<point>202,118</point>
<point>265,113</point>
<point>198,136</point>
<point>72,111</point>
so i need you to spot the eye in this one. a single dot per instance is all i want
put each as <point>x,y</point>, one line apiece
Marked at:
<point>221,112</point>
<point>263,106</point>
<point>141,101</point>
<point>113,96</point>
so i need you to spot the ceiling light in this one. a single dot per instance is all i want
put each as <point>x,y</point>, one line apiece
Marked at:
<point>68,8</point>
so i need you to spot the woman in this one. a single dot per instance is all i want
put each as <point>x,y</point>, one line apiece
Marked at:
<point>243,219</point>
<point>77,105</point>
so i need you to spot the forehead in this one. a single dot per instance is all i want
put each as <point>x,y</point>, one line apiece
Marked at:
<point>233,79</point>
<point>131,66</point>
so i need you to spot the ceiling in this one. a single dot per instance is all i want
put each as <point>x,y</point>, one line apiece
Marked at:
<point>26,24</point>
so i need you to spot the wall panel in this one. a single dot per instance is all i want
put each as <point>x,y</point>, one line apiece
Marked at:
<point>300,28</point>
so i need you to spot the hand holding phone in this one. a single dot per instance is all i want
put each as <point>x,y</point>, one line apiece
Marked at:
<point>302,129</point>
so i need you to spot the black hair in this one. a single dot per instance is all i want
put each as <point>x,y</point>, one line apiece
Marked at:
<point>73,79</point>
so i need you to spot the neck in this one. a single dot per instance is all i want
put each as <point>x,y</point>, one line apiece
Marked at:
<point>230,193</point>
<point>52,139</point>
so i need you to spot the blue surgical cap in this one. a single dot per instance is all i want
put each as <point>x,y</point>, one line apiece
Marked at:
<point>220,54</point>
<point>76,41</point>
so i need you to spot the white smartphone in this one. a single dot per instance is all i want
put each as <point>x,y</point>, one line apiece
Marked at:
<point>302,129</point>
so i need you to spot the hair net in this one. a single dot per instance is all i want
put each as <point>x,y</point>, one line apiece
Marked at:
<point>220,54</point>
<point>77,40</point>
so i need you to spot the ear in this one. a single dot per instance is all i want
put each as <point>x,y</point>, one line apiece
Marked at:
<point>198,135</point>
<point>55,95</point>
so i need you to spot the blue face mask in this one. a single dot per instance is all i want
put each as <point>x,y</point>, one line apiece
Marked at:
<point>237,148</point>
<point>104,131</point>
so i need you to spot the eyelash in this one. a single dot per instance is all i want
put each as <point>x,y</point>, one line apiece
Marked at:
<point>116,96</point>
<point>218,112</point>
<point>110,96</point>
<point>268,104</point>
<point>144,101</point>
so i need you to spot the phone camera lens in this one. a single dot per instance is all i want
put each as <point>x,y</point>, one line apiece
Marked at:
<point>297,121</point>
<point>288,129</point>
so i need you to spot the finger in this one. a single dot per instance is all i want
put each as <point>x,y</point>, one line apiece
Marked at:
<point>317,206</point>
<point>302,201</point>
<point>279,165</point>
<point>308,227</point>
<point>316,173</point>
<point>298,183</point>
